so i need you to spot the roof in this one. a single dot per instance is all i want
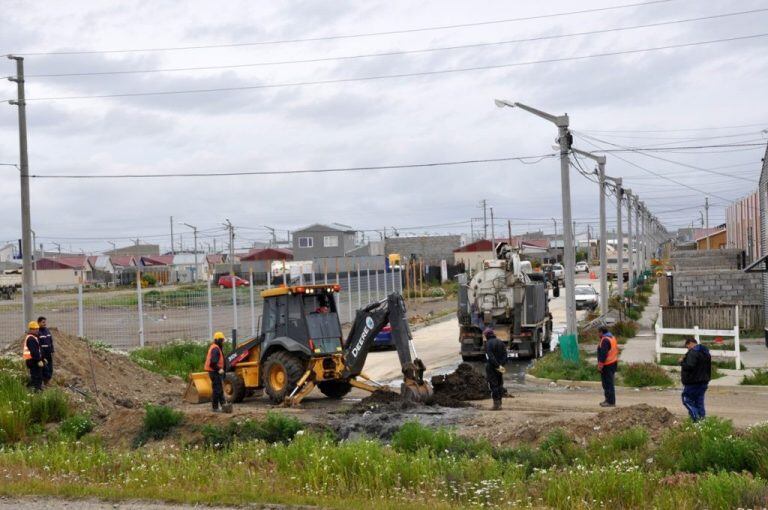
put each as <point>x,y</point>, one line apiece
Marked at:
<point>704,233</point>
<point>268,254</point>
<point>321,227</point>
<point>157,260</point>
<point>123,261</point>
<point>215,258</point>
<point>78,263</point>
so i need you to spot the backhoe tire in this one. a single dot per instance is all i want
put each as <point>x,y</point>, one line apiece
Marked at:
<point>282,370</point>
<point>334,389</point>
<point>234,388</point>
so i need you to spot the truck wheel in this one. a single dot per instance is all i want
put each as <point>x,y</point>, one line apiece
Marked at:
<point>334,389</point>
<point>282,371</point>
<point>234,387</point>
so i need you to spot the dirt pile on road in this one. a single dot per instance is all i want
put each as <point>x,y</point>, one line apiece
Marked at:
<point>383,401</point>
<point>465,383</point>
<point>112,378</point>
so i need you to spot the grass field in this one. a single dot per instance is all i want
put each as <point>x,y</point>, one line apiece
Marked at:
<point>637,375</point>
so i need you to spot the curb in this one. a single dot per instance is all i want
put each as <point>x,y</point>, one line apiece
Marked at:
<point>721,390</point>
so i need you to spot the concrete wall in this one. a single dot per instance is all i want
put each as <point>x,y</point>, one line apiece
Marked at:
<point>432,249</point>
<point>718,286</point>
<point>711,259</point>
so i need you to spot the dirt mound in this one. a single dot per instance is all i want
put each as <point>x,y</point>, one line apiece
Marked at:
<point>113,379</point>
<point>383,401</point>
<point>464,384</point>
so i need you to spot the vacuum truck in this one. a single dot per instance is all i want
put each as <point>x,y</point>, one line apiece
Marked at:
<point>512,299</point>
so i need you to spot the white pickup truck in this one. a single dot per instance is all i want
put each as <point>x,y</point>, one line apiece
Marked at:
<point>10,281</point>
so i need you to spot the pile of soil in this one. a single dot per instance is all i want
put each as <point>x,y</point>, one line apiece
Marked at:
<point>109,378</point>
<point>382,401</point>
<point>465,383</point>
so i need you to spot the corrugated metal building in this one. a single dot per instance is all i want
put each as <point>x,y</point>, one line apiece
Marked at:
<point>742,219</point>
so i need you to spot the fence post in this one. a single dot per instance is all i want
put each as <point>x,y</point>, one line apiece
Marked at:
<point>377,284</point>
<point>368,280</point>
<point>80,329</point>
<point>140,301</point>
<point>359,290</point>
<point>385,280</point>
<point>736,340</point>
<point>253,308</point>
<point>269,274</point>
<point>400,278</point>
<point>659,334</point>
<point>696,334</point>
<point>234,311</point>
<point>325,271</point>
<point>210,308</point>
<point>349,290</point>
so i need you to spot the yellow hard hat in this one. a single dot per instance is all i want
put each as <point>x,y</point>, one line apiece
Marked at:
<point>219,336</point>
<point>33,325</point>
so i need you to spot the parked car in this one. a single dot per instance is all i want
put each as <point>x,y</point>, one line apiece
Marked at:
<point>586,298</point>
<point>558,272</point>
<point>225,282</point>
<point>581,267</point>
<point>384,339</point>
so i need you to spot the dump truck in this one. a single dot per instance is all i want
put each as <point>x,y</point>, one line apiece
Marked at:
<point>10,282</point>
<point>300,347</point>
<point>509,298</point>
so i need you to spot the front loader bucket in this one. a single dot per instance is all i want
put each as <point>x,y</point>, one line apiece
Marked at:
<point>414,391</point>
<point>199,389</point>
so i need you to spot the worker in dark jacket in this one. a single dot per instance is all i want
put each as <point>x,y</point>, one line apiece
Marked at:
<point>33,358</point>
<point>607,363</point>
<point>46,348</point>
<point>696,371</point>
<point>495,359</point>
<point>214,365</point>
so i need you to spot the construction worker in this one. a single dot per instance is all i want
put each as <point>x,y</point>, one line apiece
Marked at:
<point>607,363</point>
<point>46,348</point>
<point>695,372</point>
<point>495,359</point>
<point>214,365</point>
<point>33,358</point>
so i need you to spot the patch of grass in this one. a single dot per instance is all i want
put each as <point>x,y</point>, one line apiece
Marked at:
<point>158,422</point>
<point>275,428</point>
<point>759,377</point>
<point>413,436</point>
<point>639,375</point>
<point>174,359</point>
<point>76,426</point>
<point>671,360</point>
<point>552,366</point>
<point>48,406</point>
<point>14,409</point>
<point>633,438</point>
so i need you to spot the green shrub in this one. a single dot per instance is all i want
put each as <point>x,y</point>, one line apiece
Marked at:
<point>276,428</point>
<point>559,448</point>
<point>48,406</point>
<point>708,445</point>
<point>625,329</point>
<point>435,292</point>
<point>633,438</point>
<point>759,377</point>
<point>14,408</point>
<point>158,422</point>
<point>552,366</point>
<point>634,314</point>
<point>731,490</point>
<point>672,360</point>
<point>413,436</point>
<point>76,426</point>
<point>639,375</point>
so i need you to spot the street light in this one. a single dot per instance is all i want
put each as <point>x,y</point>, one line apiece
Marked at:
<point>194,233</point>
<point>600,160</point>
<point>565,140</point>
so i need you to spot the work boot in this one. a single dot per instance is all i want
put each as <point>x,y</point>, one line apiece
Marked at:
<point>217,409</point>
<point>496,405</point>
<point>606,404</point>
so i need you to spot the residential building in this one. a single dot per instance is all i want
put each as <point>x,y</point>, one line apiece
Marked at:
<point>742,220</point>
<point>63,272</point>
<point>102,269</point>
<point>712,238</point>
<point>472,255</point>
<point>188,267</point>
<point>136,250</point>
<point>323,241</point>
<point>8,252</point>
<point>124,269</point>
<point>430,249</point>
<point>259,261</point>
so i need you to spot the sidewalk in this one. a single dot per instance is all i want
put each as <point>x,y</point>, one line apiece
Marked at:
<point>642,348</point>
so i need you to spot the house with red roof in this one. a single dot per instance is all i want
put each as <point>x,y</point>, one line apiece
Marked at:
<point>259,261</point>
<point>63,272</point>
<point>473,255</point>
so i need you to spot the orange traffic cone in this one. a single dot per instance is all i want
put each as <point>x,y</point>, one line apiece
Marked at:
<point>592,275</point>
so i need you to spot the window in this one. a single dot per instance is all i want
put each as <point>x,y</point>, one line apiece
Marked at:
<point>331,241</point>
<point>306,242</point>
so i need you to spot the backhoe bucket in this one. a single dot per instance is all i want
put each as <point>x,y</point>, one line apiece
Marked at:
<point>199,389</point>
<point>414,391</point>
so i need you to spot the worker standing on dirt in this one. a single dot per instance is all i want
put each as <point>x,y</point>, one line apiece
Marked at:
<point>607,363</point>
<point>46,349</point>
<point>33,358</point>
<point>695,372</point>
<point>495,359</point>
<point>214,365</point>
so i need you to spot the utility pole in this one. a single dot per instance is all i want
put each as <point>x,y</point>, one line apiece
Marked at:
<point>638,264</point>
<point>172,247</point>
<point>555,222</point>
<point>26,220</point>
<point>483,204</point>
<point>706,210</point>
<point>619,240</point>
<point>601,160</point>
<point>493,232</point>
<point>231,229</point>
<point>194,233</point>
<point>34,255</point>
<point>564,139</point>
<point>58,247</point>
<point>274,235</point>
<point>630,269</point>
<point>509,231</point>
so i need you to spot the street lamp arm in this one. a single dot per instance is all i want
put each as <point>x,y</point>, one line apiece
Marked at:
<point>558,120</point>
<point>595,157</point>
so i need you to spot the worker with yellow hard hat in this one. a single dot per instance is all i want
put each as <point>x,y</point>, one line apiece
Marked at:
<point>214,365</point>
<point>33,356</point>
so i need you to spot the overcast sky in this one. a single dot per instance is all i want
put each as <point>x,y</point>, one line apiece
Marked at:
<point>638,100</point>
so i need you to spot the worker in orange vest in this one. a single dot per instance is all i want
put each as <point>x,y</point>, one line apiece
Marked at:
<point>607,363</point>
<point>33,357</point>
<point>214,365</point>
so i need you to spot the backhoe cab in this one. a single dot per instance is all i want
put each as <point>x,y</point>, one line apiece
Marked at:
<point>301,346</point>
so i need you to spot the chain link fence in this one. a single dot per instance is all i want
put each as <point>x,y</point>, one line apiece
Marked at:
<point>131,318</point>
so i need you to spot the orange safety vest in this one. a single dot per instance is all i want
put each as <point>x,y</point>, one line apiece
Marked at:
<point>25,350</point>
<point>613,352</point>
<point>220,364</point>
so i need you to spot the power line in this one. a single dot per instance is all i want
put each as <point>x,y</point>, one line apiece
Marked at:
<point>399,52</point>
<point>292,172</point>
<point>352,36</point>
<point>677,130</point>
<point>405,75</point>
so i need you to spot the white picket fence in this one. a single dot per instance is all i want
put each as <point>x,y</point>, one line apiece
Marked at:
<point>697,333</point>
